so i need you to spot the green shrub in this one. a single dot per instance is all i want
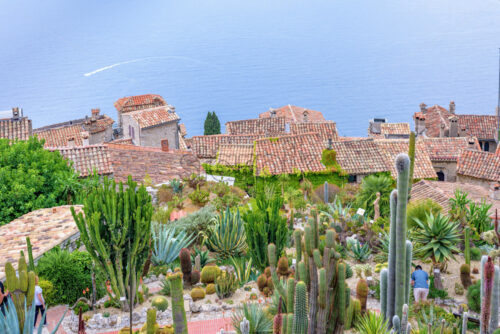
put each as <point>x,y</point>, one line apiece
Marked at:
<point>474,296</point>
<point>160,303</point>
<point>475,254</point>
<point>419,210</point>
<point>199,197</point>
<point>372,323</point>
<point>48,292</point>
<point>198,223</point>
<point>162,214</point>
<point>68,276</point>
<point>165,287</point>
<point>370,186</point>
<point>81,304</point>
<point>165,194</point>
<point>435,293</point>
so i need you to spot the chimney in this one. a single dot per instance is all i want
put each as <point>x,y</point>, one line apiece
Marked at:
<point>15,114</point>
<point>442,130</point>
<point>423,108</point>
<point>71,141</point>
<point>453,126</point>
<point>306,115</point>
<point>170,109</point>
<point>272,112</point>
<point>164,145</point>
<point>85,138</point>
<point>95,114</point>
<point>495,191</point>
<point>452,107</point>
<point>463,131</point>
<point>330,144</point>
<point>419,125</point>
<point>472,142</point>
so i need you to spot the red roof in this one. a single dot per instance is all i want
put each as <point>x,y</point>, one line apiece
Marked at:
<point>294,114</point>
<point>447,149</point>
<point>15,129</point>
<point>480,165</point>
<point>480,126</point>
<point>130,103</point>
<point>155,116</point>
<point>264,126</point>
<point>326,130</point>
<point>359,156</point>
<point>206,147</point>
<point>87,158</point>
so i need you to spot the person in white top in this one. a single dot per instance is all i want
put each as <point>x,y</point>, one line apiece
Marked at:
<point>39,302</point>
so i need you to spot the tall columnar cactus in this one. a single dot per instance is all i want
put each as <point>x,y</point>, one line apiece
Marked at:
<point>362,293</point>
<point>31,261</point>
<point>396,282</point>
<point>467,246</point>
<point>402,326</point>
<point>300,317</point>
<point>325,192</point>
<point>245,326</point>
<point>495,300</point>
<point>465,319</point>
<point>411,155</point>
<point>178,311</point>
<point>190,276</point>
<point>151,321</point>
<point>115,228</point>
<point>22,288</point>
<point>487,284</point>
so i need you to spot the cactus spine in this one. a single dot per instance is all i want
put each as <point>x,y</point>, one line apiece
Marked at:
<point>151,321</point>
<point>487,282</point>
<point>31,261</point>
<point>178,311</point>
<point>495,301</point>
<point>245,326</point>
<point>467,246</point>
<point>300,319</point>
<point>325,192</point>
<point>397,280</point>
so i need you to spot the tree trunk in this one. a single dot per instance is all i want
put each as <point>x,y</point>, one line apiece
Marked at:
<point>438,283</point>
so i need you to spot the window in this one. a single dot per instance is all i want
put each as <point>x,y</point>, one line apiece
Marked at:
<point>352,178</point>
<point>486,146</point>
<point>440,175</point>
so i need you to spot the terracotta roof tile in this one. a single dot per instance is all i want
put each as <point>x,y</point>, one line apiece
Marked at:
<point>59,137</point>
<point>294,114</point>
<point>263,126</point>
<point>447,149</point>
<point>235,154</point>
<point>288,154</point>
<point>47,228</point>
<point>434,117</point>
<point>326,130</point>
<point>359,156</point>
<point>479,165</point>
<point>123,141</point>
<point>394,129</point>
<point>15,129</point>
<point>390,148</point>
<point>442,192</point>
<point>480,126</point>
<point>206,147</point>
<point>98,125</point>
<point>182,129</point>
<point>155,116</point>
<point>87,158</point>
<point>130,103</point>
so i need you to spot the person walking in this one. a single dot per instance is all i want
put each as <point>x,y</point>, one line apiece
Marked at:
<point>39,303</point>
<point>419,280</point>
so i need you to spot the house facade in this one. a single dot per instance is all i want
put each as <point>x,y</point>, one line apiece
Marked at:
<point>478,167</point>
<point>16,127</point>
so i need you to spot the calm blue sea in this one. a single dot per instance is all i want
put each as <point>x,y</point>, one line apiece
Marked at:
<point>352,59</point>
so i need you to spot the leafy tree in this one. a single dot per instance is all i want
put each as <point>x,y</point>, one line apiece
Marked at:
<point>370,186</point>
<point>32,178</point>
<point>212,124</point>
<point>420,208</point>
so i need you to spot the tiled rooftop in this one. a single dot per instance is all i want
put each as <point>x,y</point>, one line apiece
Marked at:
<point>447,149</point>
<point>139,102</point>
<point>361,156</point>
<point>479,165</point>
<point>182,129</point>
<point>288,154</point>
<point>154,116</point>
<point>273,126</point>
<point>15,129</point>
<point>294,114</point>
<point>394,129</point>
<point>235,154</point>
<point>326,130</point>
<point>46,228</point>
<point>206,147</point>
<point>480,126</point>
<point>390,148</point>
<point>87,158</point>
<point>442,192</point>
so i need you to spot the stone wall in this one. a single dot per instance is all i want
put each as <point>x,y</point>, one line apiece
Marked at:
<point>448,168</point>
<point>153,136</point>
<point>128,123</point>
<point>473,180</point>
<point>101,137</point>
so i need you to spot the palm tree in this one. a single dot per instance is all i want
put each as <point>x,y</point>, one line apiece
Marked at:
<point>370,186</point>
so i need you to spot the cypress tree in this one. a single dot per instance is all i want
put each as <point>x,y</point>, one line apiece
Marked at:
<point>212,124</point>
<point>216,126</point>
<point>208,124</point>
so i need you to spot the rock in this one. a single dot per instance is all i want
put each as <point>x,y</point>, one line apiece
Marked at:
<point>125,321</point>
<point>113,320</point>
<point>136,318</point>
<point>187,297</point>
<point>193,307</point>
<point>161,276</point>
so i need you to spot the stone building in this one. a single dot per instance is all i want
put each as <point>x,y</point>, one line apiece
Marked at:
<point>436,121</point>
<point>380,129</point>
<point>445,152</point>
<point>16,127</point>
<point>478,167</point>
<point>294,114</point>
<point>80,132</point>
<point>149,121</point>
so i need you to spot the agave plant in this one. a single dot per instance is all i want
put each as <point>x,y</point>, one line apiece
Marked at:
<point>242,269</point>
<point>382,249</point>
<point>227,237</point>
<point>360,253</point>
<point>176,186</point>
<point>260,322</point>
<point>167,244</point>
<point>204,257</point>
<point>9,322</point>
<point>372,323</point>
<point>437,238</point>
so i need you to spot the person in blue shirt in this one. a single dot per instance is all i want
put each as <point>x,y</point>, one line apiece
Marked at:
<point>419,280</point>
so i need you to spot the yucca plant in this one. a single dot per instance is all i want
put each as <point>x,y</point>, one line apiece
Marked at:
<point>360,253</point>
<point>167,244</point>
<point>242,269</point>
<point>382,249</point>
<point>9,323</point>
<point>225,284</point>
<point>227,236</point>
<point>372,323</point>
<point>204,257</point>
<point>437,238</point>
<point>260,322</point>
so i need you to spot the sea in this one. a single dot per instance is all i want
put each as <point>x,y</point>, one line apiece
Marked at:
<point>353,60</point>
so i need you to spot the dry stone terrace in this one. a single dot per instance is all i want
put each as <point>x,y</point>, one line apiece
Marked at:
<point>46,228</point>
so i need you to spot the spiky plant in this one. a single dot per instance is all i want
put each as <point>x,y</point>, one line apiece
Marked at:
<point>242,269</point>
<point>360,253</point>
<point>227,237</point>
<point>372,323</point>
<point>382,249</point>
<point>259,320</point>
<point>370,186</point>
<point>437,237</point>
<point>167,243</point>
